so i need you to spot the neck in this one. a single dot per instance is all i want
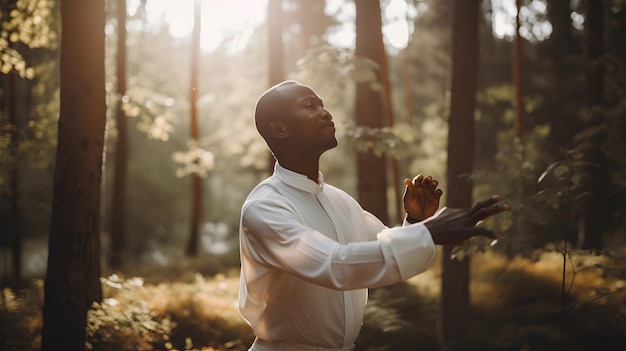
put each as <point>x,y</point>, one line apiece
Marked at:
<point>308,167</point>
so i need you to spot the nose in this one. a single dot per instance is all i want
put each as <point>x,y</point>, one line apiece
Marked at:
<point>326,115</point>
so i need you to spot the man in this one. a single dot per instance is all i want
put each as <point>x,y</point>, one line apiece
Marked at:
<point>309,251</point>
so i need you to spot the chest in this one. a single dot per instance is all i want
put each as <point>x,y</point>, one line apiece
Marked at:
<point>330,216</point>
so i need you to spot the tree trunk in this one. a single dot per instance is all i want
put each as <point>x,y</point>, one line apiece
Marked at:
<point>276,53</point>
<point>196,180</point>
<point>313,24</point>
<point>595,216</point>
<point>72,280</point>
<point>372,109</point>
<point>305,19</point>
<point>118,207</point>
<point>559,50</point>
<point>14,236</point>
<point>517,62</point>
<point>455,308</point>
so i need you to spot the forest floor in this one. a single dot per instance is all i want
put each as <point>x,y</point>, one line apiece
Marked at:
<point>517,304</point>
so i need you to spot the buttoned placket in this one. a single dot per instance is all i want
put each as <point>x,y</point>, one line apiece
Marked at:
<point>321,200</point>
<point>347,300</point>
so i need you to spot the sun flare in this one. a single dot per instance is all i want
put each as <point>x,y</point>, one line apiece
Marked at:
<point>220,19</point>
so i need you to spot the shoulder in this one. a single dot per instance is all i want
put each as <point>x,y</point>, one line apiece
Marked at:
<point>268,193</point>
<point>265,189</point>
<point>339,194</point>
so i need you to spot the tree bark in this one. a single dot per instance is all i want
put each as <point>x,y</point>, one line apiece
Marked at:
<point>72,280</point>
<point>118,208</point>
<point>276,53</point>
<point>595,214</point>
<point>517,62</point>
<point>455,304</point>
<point>14,236</point>
<point>372,109</point>
<point>196,180</point>
<point>559,50</point>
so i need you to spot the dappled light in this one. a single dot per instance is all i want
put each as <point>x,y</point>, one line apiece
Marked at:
<point>123,173</point>
<point>515,302</point>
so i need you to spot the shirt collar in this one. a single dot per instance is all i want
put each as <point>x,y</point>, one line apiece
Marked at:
<point>299,181</point>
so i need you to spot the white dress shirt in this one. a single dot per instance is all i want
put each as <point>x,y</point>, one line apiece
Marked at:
<point>308,254</point>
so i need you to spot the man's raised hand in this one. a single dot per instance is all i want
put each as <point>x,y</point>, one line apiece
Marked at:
<point>421,197</point>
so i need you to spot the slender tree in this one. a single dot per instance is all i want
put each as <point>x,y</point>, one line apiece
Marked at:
<point>407,81</point>
<point>595,216</point>
<point>118,208</point>
<point>563,97</point>
<point>72,280</point>
<point>275,40</point>
<point>10,110</point>
<point>455,273</point>
<point>517,75</point>
<point>276,52</point>
<point>196,179</point>
<point>372,108</point>
<point>305,8</point>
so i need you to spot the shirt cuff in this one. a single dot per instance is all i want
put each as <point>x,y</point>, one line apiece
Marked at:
<point>413,249</point>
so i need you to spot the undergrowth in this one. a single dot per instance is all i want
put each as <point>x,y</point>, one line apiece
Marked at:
<point>515,306</point>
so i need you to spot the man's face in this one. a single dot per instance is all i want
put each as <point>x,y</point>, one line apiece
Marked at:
<point>309,125</point>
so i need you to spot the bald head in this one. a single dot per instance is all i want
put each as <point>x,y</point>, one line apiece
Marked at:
<point>292,119</point>
<point>269,107</point>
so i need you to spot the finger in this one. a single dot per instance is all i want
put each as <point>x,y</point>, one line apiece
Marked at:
<point>484,213</point>
<point>433,185</point>
<point>485,203</point>
<point>426,181</point>
<point>418,179</point>
<point>438,193</point>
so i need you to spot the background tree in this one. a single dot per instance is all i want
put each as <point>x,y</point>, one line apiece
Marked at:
<point>455,273</point>
<point>12,237</point>
<point>276,52</point>
<point>73,272</point>
<point>196,179</point>
<point>562,56</point>
<point>118,206</point>
<point>592,228</point>
<point>371,109</point>
<point>517,311</point>
<point>28,46</point>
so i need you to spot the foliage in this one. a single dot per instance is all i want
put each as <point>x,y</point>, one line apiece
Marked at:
<point>20,318</point>
<point>566,183</point>
<point>127,324</point>
<point>515,306</point>
<point>506,317</point>
<point>335,69</point>
<point>152,111</point>
<point>29,39</point>
<point>378,140</point>
<point>31,23</point>
<point>175,315</point>
<point>530,290</point>
<point>195,160</point>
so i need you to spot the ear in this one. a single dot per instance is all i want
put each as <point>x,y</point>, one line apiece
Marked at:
<point>278,130</point>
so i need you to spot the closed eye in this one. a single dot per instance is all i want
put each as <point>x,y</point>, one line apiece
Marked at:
<point>313,103</point>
